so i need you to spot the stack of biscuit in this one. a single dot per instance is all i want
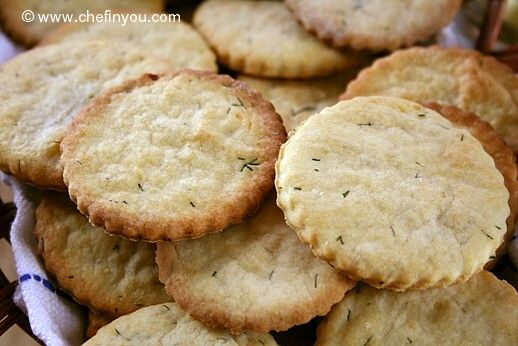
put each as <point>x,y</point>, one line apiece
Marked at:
<point>179,211</point>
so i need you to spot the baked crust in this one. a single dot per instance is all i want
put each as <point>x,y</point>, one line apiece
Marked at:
<point>451,76</point>
<point>499,151</point>
<point>254,276</point>
<point>482,311</point>
<point>110,275</point>
<point>262,38</point>
<point>44,88</point>
<point>29,34</point>
<point>373,216</point>
<point>252,114</point>
<point>374,25</point>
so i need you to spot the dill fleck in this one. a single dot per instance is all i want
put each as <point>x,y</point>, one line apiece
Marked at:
<point>241,104</point>
<point>71,276</point>
<point>316,280</point>
<point>368,340</point>
<point>421,115</point>
<point>124,202</point>
<point>461,138</point>
<point>271,274</point>
<point>262,343</point>
<point>487,235</point>
<point>315,159</point>
<point>346,193</point>
<point>492,257</point>
<point>167,307</point>
<point>214,274</point>
<point>228,110</point>
<point>140,187</point>
<point>117,331</point>
<point>419,163</point>
<point>317,170</point>
<point>497,227</point>
<point>365,124</point>
<point>417,175</point>
<point>340,240</point>
<point>249,165</point>
<point>409,340</point>
<point>348,315</point>
<point>79,162</point>
<point>192,204</point>
<point>392,229</point>
<point>298,188</point>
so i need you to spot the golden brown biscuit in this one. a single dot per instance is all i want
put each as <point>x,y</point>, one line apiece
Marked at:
<point>254,276</point>
<point>29,30</point>
<point>262,38</point>
<point>167,324</point>
<point>111,275</point>
<point>393,194</point>
<point>375,24</point>
<point>451,76</point>
<point>175,42</point>
<point>172,156</point>
<point>44,88</point>
<point>482,311</point>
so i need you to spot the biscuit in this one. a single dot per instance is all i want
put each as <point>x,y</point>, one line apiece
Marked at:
<point>262,38</point>
<point>30,33</point>
<point>297,100</point>
<point>376,24</point>
<point>453,76</point>
<point>95,322</point>
<point>167,324</point>
<point>193,153</point>
<point>110,275</point>
<point>482,311</point>
<point>499,151</point>
<point>177,43</point>
<point>392,193</point>
<point>44,88</point>
<point>253,276</point>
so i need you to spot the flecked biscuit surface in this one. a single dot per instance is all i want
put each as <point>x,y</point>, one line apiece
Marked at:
<point>462,78</point>
<point>482,311</point>
<point>253,276</point>
<point>172,156</point>
<point>167,324</point>
<point>111,275</point>
<point>43,89</point>
<point>262,38</point>
<point>374,24</point>
<point>502,156</point>
<point>176,42</point>
<point>31,32</point>
<point>392,193</point>
<point>295,101</point>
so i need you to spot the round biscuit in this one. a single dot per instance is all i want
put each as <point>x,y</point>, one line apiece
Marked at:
<point>172,156</point>
<point>452,76</point>
<point>31,32</point>
<point>43,89</point>
<point>175,42</point>
<point>167,324</point>
<point>482,311</point>
<point>375,24</point>
<point>402,198</point>
<point>262,38</point>
<point>253,276</point>
<point>111,275</point>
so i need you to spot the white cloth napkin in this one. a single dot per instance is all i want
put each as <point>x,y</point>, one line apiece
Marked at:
<point>54,319</point>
